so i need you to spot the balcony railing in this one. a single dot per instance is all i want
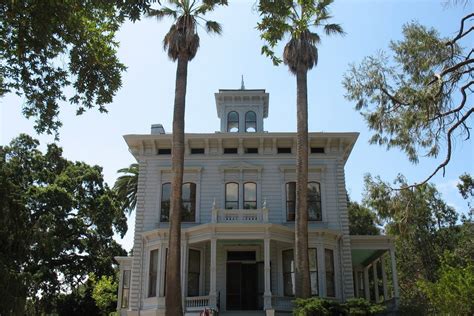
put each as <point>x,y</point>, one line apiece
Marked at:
<point>197,303</point>
<point>240,216</point>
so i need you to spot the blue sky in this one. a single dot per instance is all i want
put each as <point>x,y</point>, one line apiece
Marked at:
<point>148,90</point>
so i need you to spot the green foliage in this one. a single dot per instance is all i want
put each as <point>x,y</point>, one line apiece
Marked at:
<point>296,20</point>
<point>50,47</point>
<point>453,292</point>
<point>126,187</point>
<point>316,306</point>
<point>466,188</point>
<point>362,220</point>
<point>57,224</point>
<point>425,228</point>
<point>416,97</point>
<point>105,293</point>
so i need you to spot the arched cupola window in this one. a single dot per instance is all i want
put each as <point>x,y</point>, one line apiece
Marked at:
<point>250,122</point>
<point>233,122</point>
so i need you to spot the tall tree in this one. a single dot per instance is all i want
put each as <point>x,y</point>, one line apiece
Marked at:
<point>298,21</point>
<point>182,43</point>
<point>424,227</point>
<point>362,220</point>
<point>418,97</point>
<point>57,223</point>
<point>126,187</point>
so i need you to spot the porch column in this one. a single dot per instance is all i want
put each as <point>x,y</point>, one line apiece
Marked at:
<point>366,283</point>
<point>384,279</point>
<point>394,275</point>
<point>356,283</point>
<point>213,277</point>
<point>184,270</point>
<point>267,296</point>
<point>376,281</point>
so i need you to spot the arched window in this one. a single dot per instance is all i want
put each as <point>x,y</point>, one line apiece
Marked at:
<point>233,122</point>
<point>231,195</point>
<point>165,202</point>
<point>250,195</point>
<point>290,201</point>
<point>188,210</point>
<point>250,122</point>
<point>314,201</point>
<point>188,197</point>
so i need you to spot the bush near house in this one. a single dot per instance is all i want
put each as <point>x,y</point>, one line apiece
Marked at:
<point>321,307</point>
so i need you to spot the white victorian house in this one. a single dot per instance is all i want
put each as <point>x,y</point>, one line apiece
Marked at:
<point>238,219</point>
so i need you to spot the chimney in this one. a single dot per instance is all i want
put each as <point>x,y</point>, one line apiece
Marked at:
<point>157,129</point>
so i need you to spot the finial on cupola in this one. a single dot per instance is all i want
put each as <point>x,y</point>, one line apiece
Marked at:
<point>242,84</point>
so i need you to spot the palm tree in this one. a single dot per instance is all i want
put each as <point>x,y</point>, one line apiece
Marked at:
<point>181,42</point>
<point>126,187</point>
<point>298,20</point>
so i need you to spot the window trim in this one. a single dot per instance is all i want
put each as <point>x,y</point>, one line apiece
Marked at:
<point>150,274</point>
<point>248,121</point>
<point>182,200</point>
<point>124,287</point>
<point>225,195</point>
<point>316,271</point>
<point>251,201</point>
<point>308,201</point>
<point>233,121</point>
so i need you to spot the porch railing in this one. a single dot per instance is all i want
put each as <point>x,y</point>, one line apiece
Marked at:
<point>197,303</point>
<point>282,303</point>
<point>240,216</point>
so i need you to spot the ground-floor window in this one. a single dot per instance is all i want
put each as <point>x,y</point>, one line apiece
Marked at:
<point>330,277</point>
<point>125,288</point>
<point>289,271</point>
<point>153,273</point>
<point>194,272</point>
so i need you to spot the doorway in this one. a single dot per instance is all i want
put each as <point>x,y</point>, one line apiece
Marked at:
<point>243,280</point>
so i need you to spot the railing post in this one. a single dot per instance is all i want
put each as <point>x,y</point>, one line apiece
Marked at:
<point>214,215</point>
<point>265,215</point>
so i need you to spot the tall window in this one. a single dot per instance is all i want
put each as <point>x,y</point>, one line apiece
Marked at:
<point>231,195</point>
<point>188,210</point>
<point>290,201</point>
<point>313,270</point>
<point>250,122</point>
<point>125,288</point>
<point>289,271</point>
<point>152,273</point>
<point>194,271</point>
<point>330,278</point>
<point>188,197</point>
<point>233,122</point>
<point>314,201</point>
<point>250,195</point>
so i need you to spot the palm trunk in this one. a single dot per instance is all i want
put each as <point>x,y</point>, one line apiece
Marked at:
<point>302,277</point>
<point>173,268</point>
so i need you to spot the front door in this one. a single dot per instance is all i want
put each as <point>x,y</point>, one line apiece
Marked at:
<point>242,284</point>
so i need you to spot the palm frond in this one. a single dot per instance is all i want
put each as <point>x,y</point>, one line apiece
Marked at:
<point>161,13</point>
<point>333,29</point>
<point>213,27</point>
<point>126,187</point>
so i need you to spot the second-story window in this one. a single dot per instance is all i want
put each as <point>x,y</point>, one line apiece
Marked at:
<point>188,197</point>
<point>250,122</point>
<point>314,201</point>
<point>250,195</point>
<point>231,195</point>
<point>233,122</point>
